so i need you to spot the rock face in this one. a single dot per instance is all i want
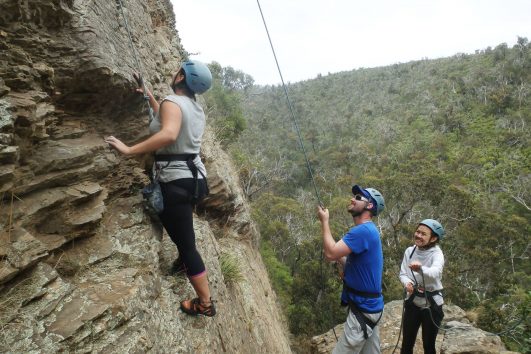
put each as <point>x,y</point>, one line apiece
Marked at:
<point>458,336</point>
<point>82,267</point>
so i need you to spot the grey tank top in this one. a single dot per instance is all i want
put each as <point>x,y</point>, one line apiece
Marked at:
<point>188,141</point>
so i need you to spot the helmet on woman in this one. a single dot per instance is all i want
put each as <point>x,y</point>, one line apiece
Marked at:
<point>435,226</point>
<point>198,76</point>
<point>373,195</point>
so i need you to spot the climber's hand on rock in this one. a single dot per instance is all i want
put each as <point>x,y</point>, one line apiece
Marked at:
<point>140,83</point>
<point>138,79</point>
<point>118,145</point>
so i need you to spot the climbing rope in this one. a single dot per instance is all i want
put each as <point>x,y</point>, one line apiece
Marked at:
<point>308,166</point>
<point>291,109</point>
<point>524,316</point>
<point>137,61</point>
<point>401,323</point>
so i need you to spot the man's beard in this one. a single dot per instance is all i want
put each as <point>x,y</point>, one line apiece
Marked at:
<point>355,213</point>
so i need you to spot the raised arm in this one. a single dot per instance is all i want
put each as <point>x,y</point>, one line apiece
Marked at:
<point>333,250</point>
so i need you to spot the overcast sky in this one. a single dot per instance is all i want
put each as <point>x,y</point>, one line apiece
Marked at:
<point>322,36</point>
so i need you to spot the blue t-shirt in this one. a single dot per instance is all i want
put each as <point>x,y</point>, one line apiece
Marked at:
<point>364,266</point>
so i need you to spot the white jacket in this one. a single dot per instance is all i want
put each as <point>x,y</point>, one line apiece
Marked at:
<point>432,260</point>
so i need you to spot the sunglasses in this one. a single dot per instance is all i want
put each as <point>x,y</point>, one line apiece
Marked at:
<point>360,197</point>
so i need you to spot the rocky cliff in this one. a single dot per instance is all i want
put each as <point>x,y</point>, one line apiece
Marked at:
<point>82,267</point>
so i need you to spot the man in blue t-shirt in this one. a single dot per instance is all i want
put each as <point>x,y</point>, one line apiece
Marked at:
<point>360,254</point>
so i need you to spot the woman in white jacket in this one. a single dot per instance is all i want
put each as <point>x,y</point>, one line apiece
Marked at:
<point>420,274</point>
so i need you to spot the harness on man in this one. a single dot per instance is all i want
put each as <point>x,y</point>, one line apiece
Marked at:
<point>363,320</point>
<point>189,159</point>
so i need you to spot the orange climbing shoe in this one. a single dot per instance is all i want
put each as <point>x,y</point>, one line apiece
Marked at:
<point>195,308</point>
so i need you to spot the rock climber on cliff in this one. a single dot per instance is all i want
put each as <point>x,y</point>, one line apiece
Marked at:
<point>360,253</point>
<point>177,130</point>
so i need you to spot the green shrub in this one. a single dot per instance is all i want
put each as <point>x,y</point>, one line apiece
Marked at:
<point>230,268</point>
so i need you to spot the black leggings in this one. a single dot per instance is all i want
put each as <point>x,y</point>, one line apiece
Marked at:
<point>414,316</point>
<point>177,219</point>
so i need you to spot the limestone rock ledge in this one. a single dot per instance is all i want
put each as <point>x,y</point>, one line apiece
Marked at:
<point>458,334</point>
<point>82,267</point>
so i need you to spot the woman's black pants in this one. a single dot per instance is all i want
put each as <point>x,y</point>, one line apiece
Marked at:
<point>177,219</point>
<point>414,317</point>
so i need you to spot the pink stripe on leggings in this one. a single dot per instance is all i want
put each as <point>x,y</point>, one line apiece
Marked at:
<point>197,275</point>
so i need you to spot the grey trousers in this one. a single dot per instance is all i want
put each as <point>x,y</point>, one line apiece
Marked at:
<point>352,340</point>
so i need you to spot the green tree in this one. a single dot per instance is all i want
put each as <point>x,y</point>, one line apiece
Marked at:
<point>224,102</point>
<point>446,138</point>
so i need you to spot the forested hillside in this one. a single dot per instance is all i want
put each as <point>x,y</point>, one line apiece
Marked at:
<point>445,139</point>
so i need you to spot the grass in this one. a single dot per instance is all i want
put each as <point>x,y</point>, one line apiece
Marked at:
<point>230,268</point>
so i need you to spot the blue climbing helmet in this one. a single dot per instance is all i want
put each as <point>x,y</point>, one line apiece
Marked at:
<point>198,76</point>
<point>373,195</point>
<point>435,226</point>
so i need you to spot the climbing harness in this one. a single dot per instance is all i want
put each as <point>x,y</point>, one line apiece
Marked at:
<point>140,81</point>
<point>363,320</point>
<point>182,193</point>
<point>366,294</point>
